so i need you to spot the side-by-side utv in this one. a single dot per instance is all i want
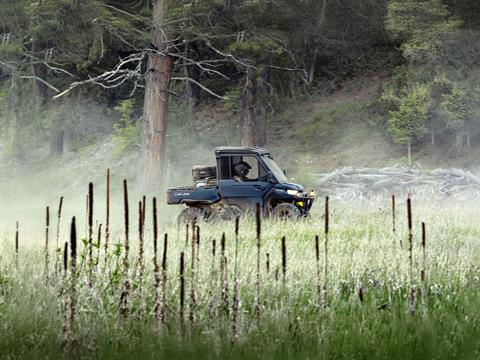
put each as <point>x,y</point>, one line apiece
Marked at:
<point>243,177</point>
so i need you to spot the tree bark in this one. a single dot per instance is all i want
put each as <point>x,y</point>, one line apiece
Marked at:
<point>192,72</point>
<point>155,110</point>
<point>263,87</point>
<point>248,132</point>
<point>56,141</point>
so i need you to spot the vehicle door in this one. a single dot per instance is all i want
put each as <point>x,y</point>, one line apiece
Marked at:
<point>245,194</point>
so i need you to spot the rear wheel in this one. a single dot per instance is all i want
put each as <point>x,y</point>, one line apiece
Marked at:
<point>286,211</point>
<point>191,214</point>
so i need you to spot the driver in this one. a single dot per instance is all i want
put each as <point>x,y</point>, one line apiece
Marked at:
<point>240,171</point>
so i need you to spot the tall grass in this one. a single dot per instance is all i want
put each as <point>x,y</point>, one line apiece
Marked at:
<point>366,283</point>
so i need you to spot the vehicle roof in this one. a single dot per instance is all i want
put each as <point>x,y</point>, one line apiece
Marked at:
<point>221,150</point>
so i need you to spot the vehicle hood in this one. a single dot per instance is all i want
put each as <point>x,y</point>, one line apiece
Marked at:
<point>289,186</point>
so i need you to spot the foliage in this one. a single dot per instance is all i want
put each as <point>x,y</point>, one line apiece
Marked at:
<point>126,133</point>
<point>408,122</point>
<point>422,26</point>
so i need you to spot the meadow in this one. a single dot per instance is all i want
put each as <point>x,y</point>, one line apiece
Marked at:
<point>373,286</point>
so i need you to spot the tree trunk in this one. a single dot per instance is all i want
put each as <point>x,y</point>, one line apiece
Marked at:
<point>39,89</point>
<point>56,141</point>
<point>192,72</point>
<point>155,110</point>
<point>263,88</point>
<point>248,133</point>
<point>467,129</point>
<point>432,132</point>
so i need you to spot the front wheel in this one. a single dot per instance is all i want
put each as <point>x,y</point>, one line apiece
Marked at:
<point>190,215</point>
<point>286,211</point>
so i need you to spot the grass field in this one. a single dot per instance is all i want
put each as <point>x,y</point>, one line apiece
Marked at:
<point>362,299</point>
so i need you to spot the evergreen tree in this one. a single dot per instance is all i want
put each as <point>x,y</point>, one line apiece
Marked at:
<point>407,124</point>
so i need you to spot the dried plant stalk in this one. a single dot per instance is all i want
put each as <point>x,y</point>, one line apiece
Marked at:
<point>197,238</point>
<point>284,260</point>
<point>65,259</point>
<point>69,342</point>
<point>223,275</point>
<point>317,260</point>
<point>47,227</point>
<point>257,283</point>
<point>16,243</point>
<point>107,222</point>
<point>181,312</point>
<point>192,281</point>
<point>326,229</point>
<point>211,307</point>
<point>57,237</point>
<point>163,310</point>
<point>235,286</point>
<point>156,270</point>
<point>126,282</point>
<point>90,233</point>
<point>141,265</point>
<point>424,268</point>
<point>410,255</point>
<point>393,214</point>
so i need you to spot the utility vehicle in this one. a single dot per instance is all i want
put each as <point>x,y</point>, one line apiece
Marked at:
<point>243,177</point>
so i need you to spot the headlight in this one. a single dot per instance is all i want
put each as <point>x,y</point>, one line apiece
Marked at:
<point>293,192</point>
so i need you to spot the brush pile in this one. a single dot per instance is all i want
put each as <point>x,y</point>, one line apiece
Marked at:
<point>349,183</point>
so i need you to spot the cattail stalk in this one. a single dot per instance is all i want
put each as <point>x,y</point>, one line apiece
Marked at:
<point>141,265</point>
<point>181,312</point>
<point>317,260</point>
<point>69,342</point>
<point>65,259</point>
<point>393,214</point>
<point>192,280</point>
<point>16,244</point>
<point>223,274</point>
<point>126,283</point>
<point>99,243</point>
<point>90,233</point>
<point>326,229</point>
<point>57,237</point>
<point>156,269</point>
<point>213,281</point>
<point>47,227</point>
<point>284,260</point>
<point>235,286</point>
<point>163,310</point>
<point>267,263</point>
<point>410,255</point>
<point>197,238</point>
<point>424,267</point>
<point>107,222</point>
<point>257,283</point>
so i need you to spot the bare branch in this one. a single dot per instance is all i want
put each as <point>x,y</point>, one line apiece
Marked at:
<point>41,80</point>
<point>201,87</point>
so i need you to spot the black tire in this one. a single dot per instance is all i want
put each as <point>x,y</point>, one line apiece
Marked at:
<point>191,214</point>
<point>286,211</point>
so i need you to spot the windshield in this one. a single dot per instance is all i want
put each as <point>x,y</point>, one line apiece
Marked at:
<point>275,169</point>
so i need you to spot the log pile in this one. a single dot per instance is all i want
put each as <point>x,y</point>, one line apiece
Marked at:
<point>349,183</point>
